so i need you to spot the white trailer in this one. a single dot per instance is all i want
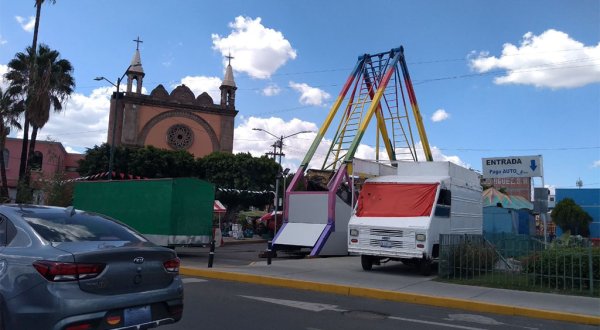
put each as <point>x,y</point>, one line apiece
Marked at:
<point>400,217</point>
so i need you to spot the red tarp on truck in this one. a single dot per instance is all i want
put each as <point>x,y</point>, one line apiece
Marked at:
<point>396,200</point>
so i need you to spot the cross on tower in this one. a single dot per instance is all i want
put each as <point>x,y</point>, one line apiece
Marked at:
<point>138,41</point>
<point>229,57</point>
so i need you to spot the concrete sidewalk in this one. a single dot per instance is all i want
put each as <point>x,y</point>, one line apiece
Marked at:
<point>344,275</point>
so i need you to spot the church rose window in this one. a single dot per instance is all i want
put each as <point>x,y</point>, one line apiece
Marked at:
<point>180,137</point>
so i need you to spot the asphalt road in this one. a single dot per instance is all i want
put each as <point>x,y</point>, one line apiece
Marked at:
<point>215,304</point>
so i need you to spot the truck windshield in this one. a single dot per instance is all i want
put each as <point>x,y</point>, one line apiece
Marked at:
<point>379,199</point>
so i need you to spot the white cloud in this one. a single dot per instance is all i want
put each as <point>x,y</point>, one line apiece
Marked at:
<point>201,84</point>
<point>596,164</point>
<point>27,25</point>
<point>2,40</point>
<point>271,90</point>
<point>3,82</point>
<point>368,152</point>
<point>310,95</point>
<point>258,143</point>
<point>86,118</point>
<point>258,51</point>
<point>552,60</point>
<point>295,148</point>
<point>440,115</point>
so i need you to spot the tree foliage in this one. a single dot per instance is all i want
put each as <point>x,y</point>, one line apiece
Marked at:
<point>571,217</point>
<point>148,162</point>
<point>238,174</point>
<point>10,109</point>
<point>44,81</point>
<point>57,189</point>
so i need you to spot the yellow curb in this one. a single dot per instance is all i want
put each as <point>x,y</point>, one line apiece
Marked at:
<point>346,290</point>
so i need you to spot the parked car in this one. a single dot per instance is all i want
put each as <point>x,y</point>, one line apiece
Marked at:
<point>62,268</point>
<point>267,222</point>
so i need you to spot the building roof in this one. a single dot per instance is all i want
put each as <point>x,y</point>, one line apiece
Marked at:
<point>228,80</point>
<point>136,63</point>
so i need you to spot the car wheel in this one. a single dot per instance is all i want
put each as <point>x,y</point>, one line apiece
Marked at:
<point>2,320</point>
<point>366,262</point>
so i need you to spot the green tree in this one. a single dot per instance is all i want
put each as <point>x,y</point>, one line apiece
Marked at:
<point>571,217</point>
<point>152,162</point>
<point>52,86</point>
<point>10,109</point>
<point>95,160</point>
<point>148,162</point>
<point>240,176</point>
<point>58,190</point>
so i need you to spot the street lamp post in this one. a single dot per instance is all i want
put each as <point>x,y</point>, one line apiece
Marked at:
<point>278,143</point>
<point>114,126</point>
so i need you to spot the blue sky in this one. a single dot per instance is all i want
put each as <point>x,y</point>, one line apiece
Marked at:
<point>493,78</point>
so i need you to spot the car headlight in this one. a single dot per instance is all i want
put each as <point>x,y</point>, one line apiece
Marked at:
<point>420,237</point>
<point>353,232</point>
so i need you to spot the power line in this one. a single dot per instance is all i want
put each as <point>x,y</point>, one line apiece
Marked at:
<point>542,67</point>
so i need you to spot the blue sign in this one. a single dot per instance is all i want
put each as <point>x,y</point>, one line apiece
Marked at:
<point>512,167</point>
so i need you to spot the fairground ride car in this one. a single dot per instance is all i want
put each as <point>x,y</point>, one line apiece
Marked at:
<point>61,268</point>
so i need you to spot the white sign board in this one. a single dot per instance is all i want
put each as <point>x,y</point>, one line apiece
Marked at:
<point>512,167</point>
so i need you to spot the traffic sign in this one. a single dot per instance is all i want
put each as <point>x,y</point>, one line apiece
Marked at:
<point>512,167</point>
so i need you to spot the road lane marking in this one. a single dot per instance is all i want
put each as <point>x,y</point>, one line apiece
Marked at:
<point>473,318</point>
<point>312,307</point>
<point>187,280</point>
<point>318,307</point>
<point>434,323</point>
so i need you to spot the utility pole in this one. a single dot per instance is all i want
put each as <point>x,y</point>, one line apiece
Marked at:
<point>278,144</point>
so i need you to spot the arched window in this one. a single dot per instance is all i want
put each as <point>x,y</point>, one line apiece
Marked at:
<point>6,155</point>
<point>36,161</point>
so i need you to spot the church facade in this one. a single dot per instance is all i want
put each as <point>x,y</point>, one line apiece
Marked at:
<point>178,120</point>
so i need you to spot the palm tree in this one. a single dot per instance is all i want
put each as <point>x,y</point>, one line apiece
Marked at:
<point>32,77</point>
<point>10,110</point>
<point>53,85</point>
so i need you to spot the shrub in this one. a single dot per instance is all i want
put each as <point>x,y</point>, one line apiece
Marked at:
<point>470,258</point>
<point>565,267</point>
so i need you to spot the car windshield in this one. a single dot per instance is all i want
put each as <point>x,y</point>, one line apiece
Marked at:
<point>62,227</point>
<point>378,199</point>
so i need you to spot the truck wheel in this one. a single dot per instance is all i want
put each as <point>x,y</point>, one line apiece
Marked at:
<point>425,267</point>
<point>366,262</point>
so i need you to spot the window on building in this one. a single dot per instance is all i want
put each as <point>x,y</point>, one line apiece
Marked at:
<point>37,161</point>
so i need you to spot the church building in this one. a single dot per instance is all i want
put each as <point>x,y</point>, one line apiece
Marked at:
<point>175,121</point>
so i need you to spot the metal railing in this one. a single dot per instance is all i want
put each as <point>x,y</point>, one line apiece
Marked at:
<point>521,262</point>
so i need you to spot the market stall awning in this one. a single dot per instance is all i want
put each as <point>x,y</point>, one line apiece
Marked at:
<point>218,207</point>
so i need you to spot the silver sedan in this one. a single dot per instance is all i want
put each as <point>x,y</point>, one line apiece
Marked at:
<point>61,268</point>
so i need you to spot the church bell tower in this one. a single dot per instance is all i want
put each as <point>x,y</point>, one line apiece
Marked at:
<point>228,87</point>
<point>135,72</point>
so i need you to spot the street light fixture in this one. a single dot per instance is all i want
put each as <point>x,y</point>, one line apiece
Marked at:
<point>279,144</point>
<point>114,128</point>
<point>279,141</point>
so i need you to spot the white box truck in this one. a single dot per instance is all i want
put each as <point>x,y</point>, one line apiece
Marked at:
<point>400,217</point>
